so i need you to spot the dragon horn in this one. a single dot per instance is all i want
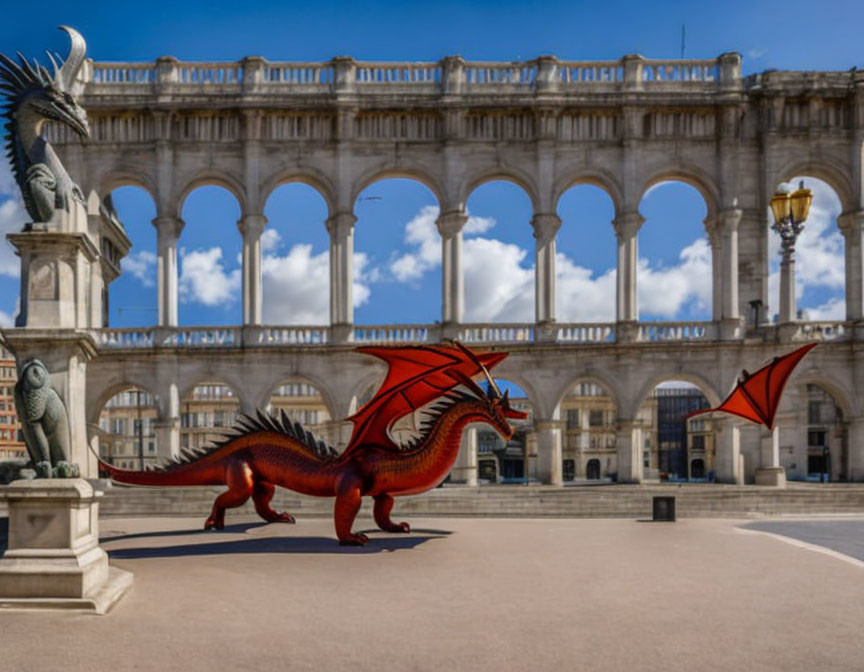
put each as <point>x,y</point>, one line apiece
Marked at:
<point>492,384</point>
<point>69,70</point>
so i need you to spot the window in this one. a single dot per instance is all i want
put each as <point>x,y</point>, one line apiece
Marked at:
<point>699,442</point>
<point>813,412</point>
<point>595,418</point>
<point>572,418</point>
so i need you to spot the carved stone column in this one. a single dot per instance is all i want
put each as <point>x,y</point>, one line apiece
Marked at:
<point>341,228</point>
<point>728,464</point>
<point>168,428</point>
<point>465,469</point>
<point>855,440</point>
<point>546,227</point>
<point>770,472</point>
<point>252,226</point>
<point>629,443</point>
<point>450,225</point>
<point>851,224</point>
<point>549,454</point>
<point>730,315</point>
<point>168,231</point>
<point>627,309</point>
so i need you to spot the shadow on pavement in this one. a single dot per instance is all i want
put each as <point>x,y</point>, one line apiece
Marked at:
<point>271,545</point>
<point>238,528</point>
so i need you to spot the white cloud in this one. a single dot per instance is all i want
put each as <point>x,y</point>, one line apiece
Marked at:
<point>142,265</point>
<point>756,54</point>
<point>834,309</point>
<point>270,240</point>
<point>421,233</point>
<point>297,285</point>
<point>582,297</point>
<point>13,217</point>
<point>665,292</point>
<point>498,288</point>
<point>204,280</point>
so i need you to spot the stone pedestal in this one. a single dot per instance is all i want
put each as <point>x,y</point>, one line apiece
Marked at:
<point>770,472</point>
<point>54,560</point>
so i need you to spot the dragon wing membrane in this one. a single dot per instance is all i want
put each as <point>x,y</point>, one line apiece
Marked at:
<point>756,397</point>
<point>416,376</point>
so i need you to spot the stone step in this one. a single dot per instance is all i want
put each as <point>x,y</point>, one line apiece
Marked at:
<point>527,501</point>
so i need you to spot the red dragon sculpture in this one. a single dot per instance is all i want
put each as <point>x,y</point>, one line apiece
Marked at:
<point>264,452</point>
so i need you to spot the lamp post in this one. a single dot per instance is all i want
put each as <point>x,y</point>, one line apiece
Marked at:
<point>790,212</point>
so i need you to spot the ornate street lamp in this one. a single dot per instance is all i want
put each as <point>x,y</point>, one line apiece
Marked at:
<point>790,213</point>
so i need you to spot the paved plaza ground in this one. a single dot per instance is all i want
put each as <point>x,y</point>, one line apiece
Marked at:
<point>465,594</point>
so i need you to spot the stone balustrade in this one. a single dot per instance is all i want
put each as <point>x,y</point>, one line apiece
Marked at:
<point>598,333</point>
<point>450,75</point>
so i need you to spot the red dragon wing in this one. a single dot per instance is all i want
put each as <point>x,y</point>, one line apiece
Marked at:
<point>417,375</point>
<point>757,396</point>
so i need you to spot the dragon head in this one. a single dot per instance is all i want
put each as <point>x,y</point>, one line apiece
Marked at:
<point>497,405</point>
<point>36,94</point>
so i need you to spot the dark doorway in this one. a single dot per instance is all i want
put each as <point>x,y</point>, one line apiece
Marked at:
<point>592,470</point>
<point>697,469</point>
<point>569,470</point>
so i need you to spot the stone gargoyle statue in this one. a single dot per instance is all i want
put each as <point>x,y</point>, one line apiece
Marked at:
<point>34,96</point>
<point>44,422</point>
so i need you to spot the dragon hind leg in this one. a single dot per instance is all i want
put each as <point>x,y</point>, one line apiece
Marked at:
<point>262,493</point>
<point>383,506</point>
<point>345,511</point>
<point>238,478</point>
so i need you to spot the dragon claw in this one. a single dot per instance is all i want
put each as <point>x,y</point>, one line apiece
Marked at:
<point>285,518</point>
<point>354,540</point>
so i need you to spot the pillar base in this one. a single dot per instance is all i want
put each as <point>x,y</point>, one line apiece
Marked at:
<point>771,476</point>
<point>342,333</point>
<point>731,328</point>
<point>54,560</point>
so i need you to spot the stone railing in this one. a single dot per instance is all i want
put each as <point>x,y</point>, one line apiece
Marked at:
<point>601,332</point>
<point>450,75</point>
<point>588,334</point>
<point>676,331</point>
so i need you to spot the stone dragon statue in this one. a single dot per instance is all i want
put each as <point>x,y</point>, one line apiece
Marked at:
<point>34,96</point>
<point>44,422</point>
<point>264,452</point>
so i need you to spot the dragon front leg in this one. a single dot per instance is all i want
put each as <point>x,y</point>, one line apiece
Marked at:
<point>383,506</point>
<point>262,493</point>
<point>347,505</point>
<point>238,478</point>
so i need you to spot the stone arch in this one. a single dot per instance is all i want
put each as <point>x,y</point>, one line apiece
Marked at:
<point>520,178</point>
<point>125,177</point>
<point>301,378</point>
<point>217,179</point>
<point>692,176</point>
<point>705,387</point>
<point>601,179</point>
<point>590,377</point>
<point>844,399</point>
<point>367,381</point>
<point>397,172</point>
<point>310,177</point>
<point>236,386</point>
<point>98,404</point>
<point>838,180</point>
<point>534,397</point>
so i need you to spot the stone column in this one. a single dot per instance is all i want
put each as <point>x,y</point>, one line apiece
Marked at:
<point>629,452</point>
<point>546,227</point>
<point>465,469</point>
<point>851,224</point>
<point>341,229</point>
<point>168,231</point>
<point>855,440</point>
<point>770,472</point>
<point>727,465</point>
<point>787,291</point>
<point>627,308</point>
<point>450,225</point>
<point>549,455</point>
<point>729,312</point>
<point>252,226</point>
<point>167,426</point>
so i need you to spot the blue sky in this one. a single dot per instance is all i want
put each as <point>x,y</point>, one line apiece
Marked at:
<point>397,249</point>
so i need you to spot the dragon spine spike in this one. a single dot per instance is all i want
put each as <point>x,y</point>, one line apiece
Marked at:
<point>286,423</point>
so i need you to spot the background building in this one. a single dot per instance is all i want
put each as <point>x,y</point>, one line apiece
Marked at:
<point>11,443</point>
